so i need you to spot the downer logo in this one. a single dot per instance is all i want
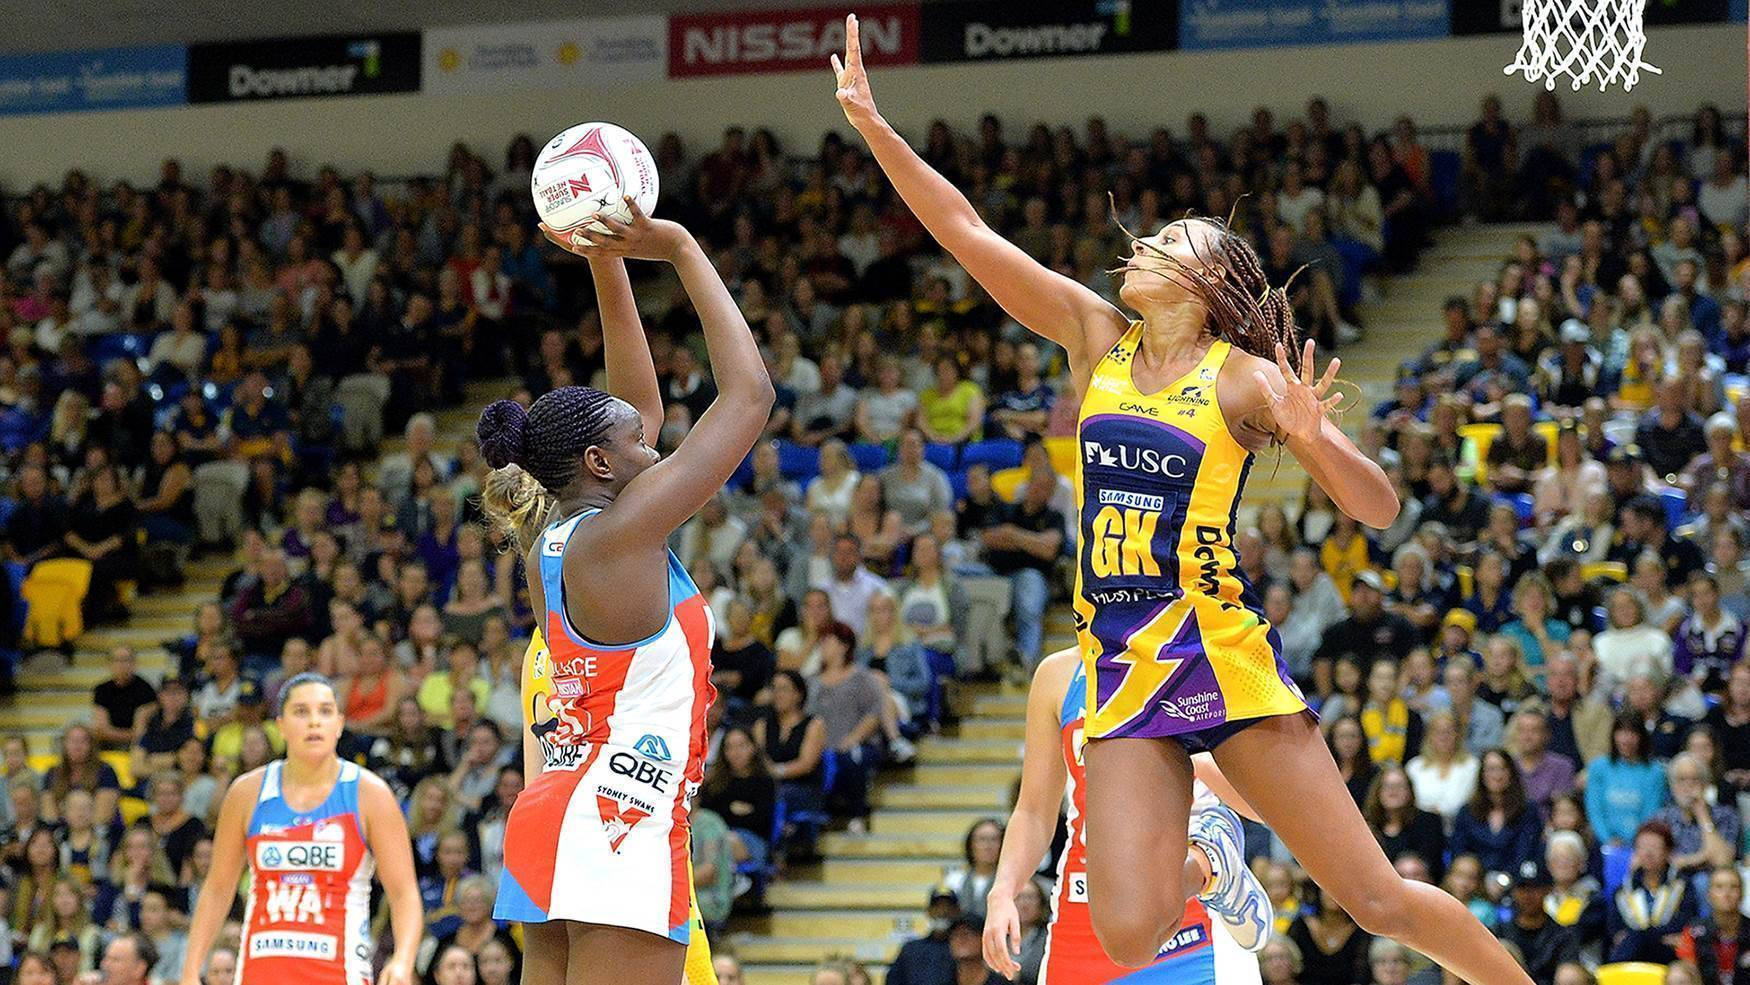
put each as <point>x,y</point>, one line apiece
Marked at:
<point>980,30</point>
<point>279,856</point>
<point>304,67</point>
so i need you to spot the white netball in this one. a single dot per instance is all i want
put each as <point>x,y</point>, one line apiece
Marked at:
<point>588,170</point>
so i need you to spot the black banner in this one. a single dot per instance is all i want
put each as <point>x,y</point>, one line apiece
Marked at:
<point>989,30</point>
<point>303,68</point>
<point>1503,16</point>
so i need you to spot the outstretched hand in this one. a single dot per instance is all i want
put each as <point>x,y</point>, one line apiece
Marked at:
<point>1300,408</point>
<point>853,83</point>
<point>643,238</point>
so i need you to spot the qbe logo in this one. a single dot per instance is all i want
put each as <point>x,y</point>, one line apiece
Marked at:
<point>280,856</point>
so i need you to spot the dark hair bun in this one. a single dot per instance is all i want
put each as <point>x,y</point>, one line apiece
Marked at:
<point>500,432</point>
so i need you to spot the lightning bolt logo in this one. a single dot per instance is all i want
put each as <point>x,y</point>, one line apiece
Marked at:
<point>1146,669</point>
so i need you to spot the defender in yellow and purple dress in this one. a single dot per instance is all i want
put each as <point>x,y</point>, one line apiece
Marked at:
<point>1174,641</point>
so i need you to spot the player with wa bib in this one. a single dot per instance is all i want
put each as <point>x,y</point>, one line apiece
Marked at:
<point>312,828</point>
<point>596,862</point>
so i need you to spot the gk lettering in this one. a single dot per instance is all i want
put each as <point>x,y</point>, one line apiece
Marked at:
<point>1123,542</point>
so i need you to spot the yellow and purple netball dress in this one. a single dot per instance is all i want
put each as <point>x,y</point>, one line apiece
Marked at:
<point>1173,639</point>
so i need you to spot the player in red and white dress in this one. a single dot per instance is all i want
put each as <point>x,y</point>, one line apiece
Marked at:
<point>597,847</point>
<point>1202,952</point>
<point>312,829</point>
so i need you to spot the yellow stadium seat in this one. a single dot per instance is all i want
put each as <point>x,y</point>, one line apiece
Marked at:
<point>54,590</point>
<point>1063,455</point>
<point>1631,973</point>
<point>1477,439</point>
<point>1467,581</point>
<point>119,761</point>
<point>1614,570</point>
<point>42,762</point>
<point>1007,483</point>
<point>132,809</point>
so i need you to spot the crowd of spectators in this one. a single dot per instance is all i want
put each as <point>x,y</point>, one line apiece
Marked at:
<point>901,528</point>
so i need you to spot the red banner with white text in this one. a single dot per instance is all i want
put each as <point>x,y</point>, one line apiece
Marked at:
<point>749,41</point>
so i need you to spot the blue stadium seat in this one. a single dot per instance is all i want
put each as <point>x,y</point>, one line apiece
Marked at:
<point>869,457</point>
<point>957,484</point>
<point>1676,503</point>
<point>798,462</point>
<point>1616,863</point>
<point>944,457</point>
<point>1521,503</point>
<point>998,453</point>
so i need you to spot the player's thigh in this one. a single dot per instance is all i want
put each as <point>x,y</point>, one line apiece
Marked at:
<point>545,948</point>
<point>1139,805</point>
<point>603,955</point>
<point>1283,769</point>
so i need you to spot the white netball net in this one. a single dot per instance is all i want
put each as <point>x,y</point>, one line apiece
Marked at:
<point>1585,39</point>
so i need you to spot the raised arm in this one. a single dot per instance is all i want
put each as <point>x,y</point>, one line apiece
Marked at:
<point>1047,302</point>
<point>664,496</point>
<point>1034,819</point>
<point>625,348</point>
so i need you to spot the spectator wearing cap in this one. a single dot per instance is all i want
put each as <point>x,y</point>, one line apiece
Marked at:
<point>1719,946</point>
<point>226,741</point>
<point>1625,474</point>
<point>1670,435</point>
<point>1653,906</point>
<point>1719,465</point>
<point>1625,787</point>
<point>117,702</point>
<point>1370,631</point>
<point>927,960</point>
<point>1544,942</point>
<point>1569,374</point>
<point>1704,836</point>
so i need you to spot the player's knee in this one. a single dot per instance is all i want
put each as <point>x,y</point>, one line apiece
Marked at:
<point>1132,936</point>
<point>1383,912</point>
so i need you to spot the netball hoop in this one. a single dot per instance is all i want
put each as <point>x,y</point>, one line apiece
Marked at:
<point>1585,39</point>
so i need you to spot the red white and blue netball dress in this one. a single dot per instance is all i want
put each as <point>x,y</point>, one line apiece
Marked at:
<point>1200,953</point>
<point>602,835</point>
<point>308,915</point>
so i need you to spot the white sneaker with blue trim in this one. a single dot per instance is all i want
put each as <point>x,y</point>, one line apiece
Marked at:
<point>1235,895</point>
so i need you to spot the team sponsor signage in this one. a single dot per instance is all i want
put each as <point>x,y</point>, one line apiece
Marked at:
<point>581,52</point>
<point>1504,16</point>
<point>745,41</point>
<point>304,68</point>
<point>108,78</point>
<point>988,30</point>
<point>1207,24</point>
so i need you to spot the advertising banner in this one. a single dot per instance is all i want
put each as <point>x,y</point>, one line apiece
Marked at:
<point>747,41</point>
<point>109,78</point>
<point>1503,16</point>
<point>303,68</point>
<point>1207,24</point>
<point>984,30</point>
<point>578,53</point>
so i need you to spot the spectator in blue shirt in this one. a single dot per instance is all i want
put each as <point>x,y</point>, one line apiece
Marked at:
<point>1624,788</point>
<point>1498,826</point>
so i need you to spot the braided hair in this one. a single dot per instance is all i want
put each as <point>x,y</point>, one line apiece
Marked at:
<point>1243,308</point>
<point>537,452</point>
